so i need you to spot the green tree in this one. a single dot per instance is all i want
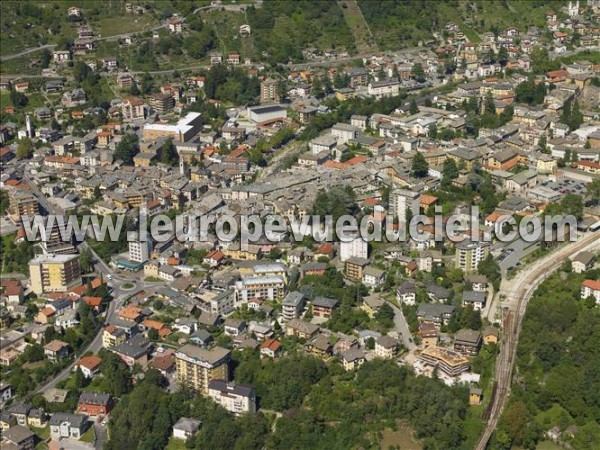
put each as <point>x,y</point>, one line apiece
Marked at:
<point>593,192</point>
<point>127,149</point>
<point>569,205</point>
<point>502,55</point>
<point>414,109</point>
<point>45,58</point>
<point>336,201</point>
<point>418,73</point>
<point>167,153</point>
<point>153,335</point>
<point>25,149</point>
<point>385,316</point>
<point>4,202</point>
<point>420,167</point>
<point>449,172</point>
<point>116,375</point>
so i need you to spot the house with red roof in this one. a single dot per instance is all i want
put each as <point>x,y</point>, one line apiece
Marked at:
<point>214,258</point>
<point>89,365</point>
<point>591,288</point>
<point>95,303</point>
<point>12,290</point>
<point>326,249</point>
<point>270,348</point>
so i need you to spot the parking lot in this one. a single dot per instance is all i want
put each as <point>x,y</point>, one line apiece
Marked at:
<point>566,186</point>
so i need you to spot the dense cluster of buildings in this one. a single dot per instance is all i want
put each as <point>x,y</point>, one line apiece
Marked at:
<point>153,154</point>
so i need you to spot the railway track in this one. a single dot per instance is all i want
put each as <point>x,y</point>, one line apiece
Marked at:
<point>518,297</point>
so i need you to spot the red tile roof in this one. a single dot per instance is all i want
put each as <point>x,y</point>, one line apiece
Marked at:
<point>592,284</point>
<point>91,362</point>
<point>272,344</point>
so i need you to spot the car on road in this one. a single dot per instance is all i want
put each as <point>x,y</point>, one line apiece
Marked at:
<point>109,277</point>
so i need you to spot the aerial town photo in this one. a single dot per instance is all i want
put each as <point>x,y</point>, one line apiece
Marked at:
<point>300,224</point>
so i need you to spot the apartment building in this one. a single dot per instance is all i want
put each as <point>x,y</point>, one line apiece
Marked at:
<point>132,108</point>
<point>22,203</point>
<point>448,361</point>
<point>402,202</point>
<point>54,273</point>
<point>113,336</point>
<point>196,366</point>
<point>161,102</point>
<point>139,251</point>
<point>470,253</point>
<point>269,92</point>
<point>52,241</point>
<point>267,287</point>
<point>292,305</point>
<point>235,398</point>
<point>357,248</point>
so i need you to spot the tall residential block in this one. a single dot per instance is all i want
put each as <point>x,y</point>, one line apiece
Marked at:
<point>54,273</point>
<point>470,253</point>
<point>402,202</point>
<point>269,92</point>
<point>196,366</point>
<point>22,203</point>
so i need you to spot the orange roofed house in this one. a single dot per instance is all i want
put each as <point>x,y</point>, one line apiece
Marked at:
<point>89,365</point>
<point>214,258</point>
<point>160,327</point>
<point>270,348</point>
<point>591,288</point>
<point>130,313</point>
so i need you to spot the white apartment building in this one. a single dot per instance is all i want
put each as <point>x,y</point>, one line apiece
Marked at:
<point>384,88</point>
<point>235,398</point>
<point>356,248</point>
<point>292,305</point>
<point>403,201</point>
<point>139,251</point>
<point>344,132</point>
<point>269,287</point>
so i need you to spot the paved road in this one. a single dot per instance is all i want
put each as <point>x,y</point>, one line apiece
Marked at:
<point>101,436</point>
<point>114,37</point>
<point>402,327</point>
<point>26,52</point>
<point>518,292</point>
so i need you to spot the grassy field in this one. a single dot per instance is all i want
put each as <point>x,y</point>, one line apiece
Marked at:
<point>4,99</point>
<point>403,438</point>
<point>586,55</point>
<point>89,435</point>
<point>358,26</point>
<point>125,23</point>
<point>226,25</point>
<point>42,433</point>
<point>21,65</point>
<point>176,444</point>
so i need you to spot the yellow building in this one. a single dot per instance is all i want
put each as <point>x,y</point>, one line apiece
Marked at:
<point>475,396</point>
<point>196,366</point>
<point>545,164</point>
<point>54,273</point>
<point>490,335</point>
<point>113,336</point>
